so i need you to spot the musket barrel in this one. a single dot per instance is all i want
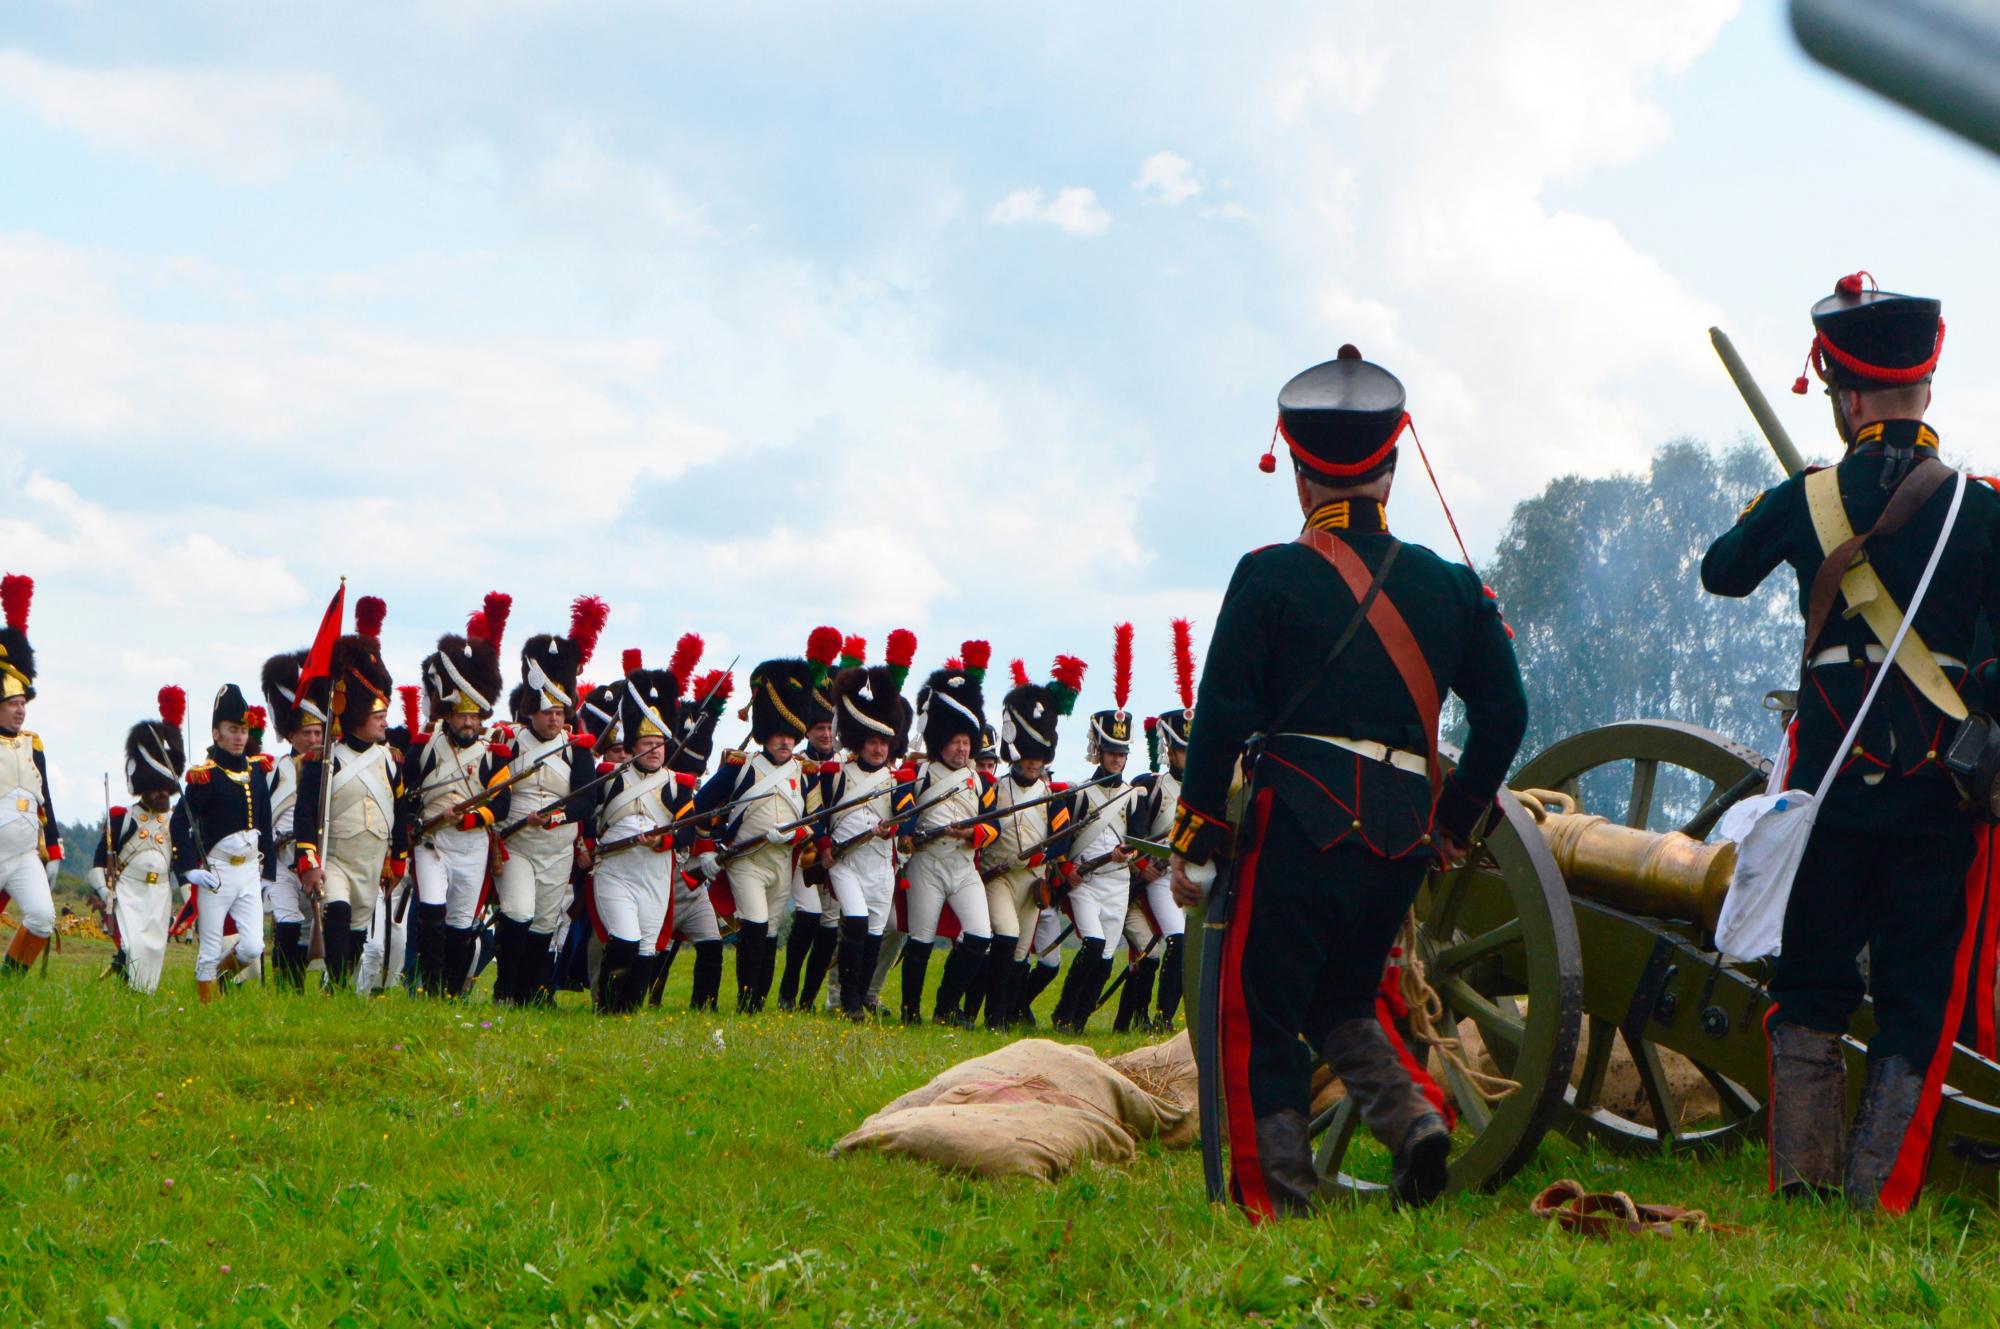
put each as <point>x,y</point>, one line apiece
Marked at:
<point>1759,404</point>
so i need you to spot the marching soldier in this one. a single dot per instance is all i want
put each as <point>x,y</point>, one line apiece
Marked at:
<point>986,756</point>
<point>1153,819</point>
<point>1347,804</point>
<point>222,835</point>
<point>941,863</point>
<point>633,885</point>
<point>693,912</point>
<point>133,872</point>
<point>452,766</point>
<point>1096,856</point>
<point>815,914</point>
<point>581,951</point>
<point>532,881</point>
<point>344,862</point>
<point>769,784</point>
<point>386,958</point>
<point>30,840</point>
<point>1887,863</point>
<point>299,716</point>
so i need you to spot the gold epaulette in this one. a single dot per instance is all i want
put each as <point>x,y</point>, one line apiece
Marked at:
<point>733,757</point>
<point>198,773</point>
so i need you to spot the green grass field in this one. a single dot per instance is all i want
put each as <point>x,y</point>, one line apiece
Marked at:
<point>275,1160</point>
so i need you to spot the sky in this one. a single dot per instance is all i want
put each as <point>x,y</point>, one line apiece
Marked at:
<point>967,318</point>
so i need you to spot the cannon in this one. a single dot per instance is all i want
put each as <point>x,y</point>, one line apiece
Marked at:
<point>1582,921</point>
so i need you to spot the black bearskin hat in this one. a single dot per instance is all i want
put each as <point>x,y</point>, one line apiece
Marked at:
<point>1028,716</point>
<point>17,657</point>
<point>155,756</point>
<point>361,682</point>
<point>280,684</point>
<point>780,699</point>
<point>463,677</point>
<point>597,714</point>
<point>650,704</point>
<point>950,704</point>
<point>867,705</point>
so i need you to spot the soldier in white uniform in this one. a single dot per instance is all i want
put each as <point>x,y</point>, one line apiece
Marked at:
<point>694,917</point>
<point>133,871</point>
<point>30,841</point>
<point>1153,819</point>
<point>221,833</point>
<point>532,881</point>
<point>773,783</point>
<point>300,719</point>
<point>451,843</point>
<point>856,844</point>
<point>634,885</point>
<point>1096,857</point>
<point>366,840</point>
<point>941,860</point>
<point>815,928</point>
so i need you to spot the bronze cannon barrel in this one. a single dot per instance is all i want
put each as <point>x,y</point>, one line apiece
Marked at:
<point>1654,873</point>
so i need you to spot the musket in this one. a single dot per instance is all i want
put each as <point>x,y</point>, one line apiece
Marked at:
<point>935,832</point>
<point>1061,937</point>
<point>618,846</point>
<point>1054,836</point>
<point>1126,973</point>
<point>483,797</point>
<point>1759,404</point>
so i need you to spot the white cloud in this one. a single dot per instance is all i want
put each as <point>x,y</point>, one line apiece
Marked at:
<point>1168,177</point>
<point>240,126</point>
<point>1074,210</point>
<point>1229,212</point>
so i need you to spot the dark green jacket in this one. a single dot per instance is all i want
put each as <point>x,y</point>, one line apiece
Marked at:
<point>1904,733</point>
<point>1283,611</point>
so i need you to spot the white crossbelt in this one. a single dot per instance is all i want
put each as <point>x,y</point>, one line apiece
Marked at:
<point>1412,762</point>
<point>1840,655</point>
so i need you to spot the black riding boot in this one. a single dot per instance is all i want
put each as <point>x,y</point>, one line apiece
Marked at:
<point>1173,975</point>
<point>916,958</point>
<point>798,943</point>
<point>852,954</point>
<point>431,944</point>
<point>967,959</point>
<point>750,939</point>
<point>621,957</point>
<point>1889,1099</point>
<point>1137,995</point>
<point>1035,980</point>
<point>707,975</point>
<point>538,961</point>
<point>510,937</point>
<point>663,965</point>
<point>1080,989</point>
<point>1808,1110</point>
<point>1392,1107</point>
<point>997,978</point>
<point>824,941</point>
<point>288,945</point>
<point>459,944</point>
<point>338,940</point>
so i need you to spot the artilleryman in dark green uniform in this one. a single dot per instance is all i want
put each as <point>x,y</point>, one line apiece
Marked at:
<point>1338,833</point>
<point>1888,863</point>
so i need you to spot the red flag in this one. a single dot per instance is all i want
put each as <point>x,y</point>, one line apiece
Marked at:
<point>319,660</point>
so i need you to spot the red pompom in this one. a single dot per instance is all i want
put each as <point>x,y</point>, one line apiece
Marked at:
<point>255,718</point>
<point>1348,351</point>
<point>1184,662</point>
<point>1069,671</point>
<point>1020,672</point>
<point>953,663</point>
<point>687,654</point>
<point>715,685</point>
<point>978,655</point>
<point>1121,664</point>
<point>853,652</point>
<point>499,605</point>
<point>1800,386</point>
<point>1851,283</point>
<point>173,706</point>
<point>503,751</point>
<point>583,739</point>
<point>823,645</point>
<point>412,719</point>
<point>605,768</point>
<point>902,648</point>
<point>633,660</point>
<point>1152,723</point>
<point>369,612</point>
<point>117,813</point>
<point>1267,463</point>
<point>17,593</point>
<point>587,616</point>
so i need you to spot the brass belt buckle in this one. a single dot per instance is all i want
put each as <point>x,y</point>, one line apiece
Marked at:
<point>238,860</point>
<point>152,878</point>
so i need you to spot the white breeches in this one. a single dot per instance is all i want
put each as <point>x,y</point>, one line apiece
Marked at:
<point>1138,929</point>
<point>145,911</point>
<point>450,868</point>
<point>239,895</point>
<point>1097,903</point>
<point>865,886</point>
<point>760,881</point>
<point>532,885</point>
<point>634,891</point>
<point>382,952</point>
<point>286,898</point>
<point>941,876</point>
<point>354,875</point>
<point>1047,929</point>
<point>694,912</point>
<point>26,878</point>
<point>1171,918</point>
<point>1010,902</point>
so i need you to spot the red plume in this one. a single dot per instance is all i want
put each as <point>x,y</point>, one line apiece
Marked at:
<point>256,719</point>
<point>369,611</point>
<point>499,605</point>
<point>823,646</point>
<point>587,615</point>
<point>978,655</point>
<point>902,648</point>
<point>953,663</point>
<point>583,691</point>
<point>476,626</point>
<point>687,654</point>
<point>1068,671</point>
<point>1121,664</point>
<point>412,721</point>
<point>16,594</point>
<point>633,660</point>
<point>1021,679</point>
<point>173,706</point>
<point>1184,662</point>
<point>855,650</point>
<point>714,686</point>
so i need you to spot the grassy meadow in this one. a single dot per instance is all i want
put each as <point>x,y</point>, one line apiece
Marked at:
<point>271,1160</point>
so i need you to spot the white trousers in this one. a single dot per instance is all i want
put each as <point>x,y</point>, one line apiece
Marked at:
<point>1097,903</point>
<point>1010,902</point>
<point>633,891</point>
<point>1160,899</point>
<point>354,875</point>
<point>24,877</point>
<point>1047,929</point>
<point>450,868</point>
<point>760,881</point>
<point>238,894</point>
<point>866,886</point>
<point>532,884</point>
<point>145,911</point>
<point>381,964</point>
<point>940,876</point>
<point>1138,928</point>
<point>694,912</point>
<point>286,897</point>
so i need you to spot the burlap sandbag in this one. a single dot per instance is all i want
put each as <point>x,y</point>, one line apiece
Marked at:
<point>1072,1075</point>
<point>1167,1071</point>
<point>996,1139</point>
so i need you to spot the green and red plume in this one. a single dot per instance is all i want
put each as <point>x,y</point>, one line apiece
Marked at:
<point>256,720</point>
<point>822,649</point>
<point>633,660</point>
<point>902,654</point>
<point>687,654</point>
<point>977,655</point>
<point>412,717</point>
<point>369,613</point>
<point>17,593</point>
<point>1184,662</point>
<point>853,652</point>
<point>954,664</point>
<point>1020,672</point>
<point>713,690</point>
<point>1066,682</point>
<point>1152,742</point>
<point>173,706</point>
<point>587,617</point>
<point>1121,664</point>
